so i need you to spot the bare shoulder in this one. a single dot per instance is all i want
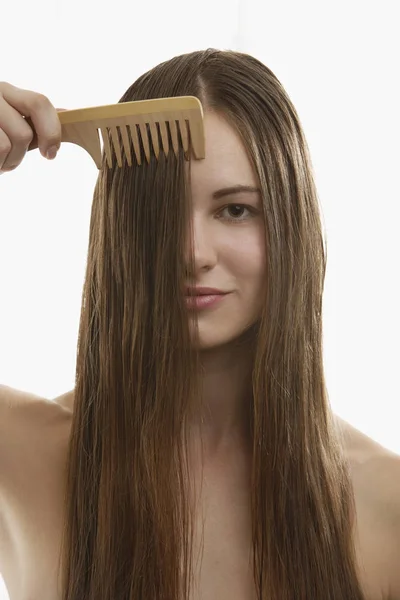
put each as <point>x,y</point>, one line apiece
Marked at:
<point>34,433</point>
<point>373,466</point>
<point>16,405</point>
<point>13,399</point>
<point>376,480</point>
<point>23,417</point>
<point>33,438</point>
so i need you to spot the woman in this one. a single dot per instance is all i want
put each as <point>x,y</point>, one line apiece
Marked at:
<point>203,459</point>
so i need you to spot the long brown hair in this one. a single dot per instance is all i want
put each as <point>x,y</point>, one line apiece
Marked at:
<point>129,515</point>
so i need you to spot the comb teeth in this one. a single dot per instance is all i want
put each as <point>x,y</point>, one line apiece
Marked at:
<point>143,137</point>
<point>142,125</point>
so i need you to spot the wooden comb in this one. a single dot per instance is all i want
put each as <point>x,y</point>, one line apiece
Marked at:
<point>147,121</point>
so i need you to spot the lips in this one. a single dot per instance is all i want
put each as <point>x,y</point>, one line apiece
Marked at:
<point>204,291</point>
<point>203,301</point>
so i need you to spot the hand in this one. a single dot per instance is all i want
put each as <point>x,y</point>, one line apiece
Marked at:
<point>28,120</point>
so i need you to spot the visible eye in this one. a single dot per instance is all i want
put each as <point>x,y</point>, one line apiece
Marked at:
<point>237,210</point>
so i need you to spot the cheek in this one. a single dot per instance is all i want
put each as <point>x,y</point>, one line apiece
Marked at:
<point>245,256</point>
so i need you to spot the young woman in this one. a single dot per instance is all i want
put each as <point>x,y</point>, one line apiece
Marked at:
<point>197,456</point>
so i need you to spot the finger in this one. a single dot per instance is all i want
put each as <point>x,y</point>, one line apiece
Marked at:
<point>34,143</point>
<point>40,111</point>
<point>5,149</point>
<point>15,136</point>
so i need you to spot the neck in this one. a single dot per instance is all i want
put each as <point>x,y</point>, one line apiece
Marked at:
<point>227,397</point>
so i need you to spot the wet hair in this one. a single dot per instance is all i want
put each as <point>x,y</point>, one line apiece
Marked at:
<point>129,502</point>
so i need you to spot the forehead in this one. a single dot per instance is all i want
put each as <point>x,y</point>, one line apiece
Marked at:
<point>226,161</point>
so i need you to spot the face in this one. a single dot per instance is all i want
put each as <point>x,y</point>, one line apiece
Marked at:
<point>229,237</point>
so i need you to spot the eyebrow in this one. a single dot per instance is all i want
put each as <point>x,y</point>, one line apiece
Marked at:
<point>235,189</point>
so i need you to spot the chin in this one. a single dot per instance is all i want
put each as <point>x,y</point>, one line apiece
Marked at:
<point>216,337</point>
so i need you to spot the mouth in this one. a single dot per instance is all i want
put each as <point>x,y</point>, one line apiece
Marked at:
<point>203,291</point>
<point>203,301</point>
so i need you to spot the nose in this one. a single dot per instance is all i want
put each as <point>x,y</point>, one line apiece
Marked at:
<point>205,253</point>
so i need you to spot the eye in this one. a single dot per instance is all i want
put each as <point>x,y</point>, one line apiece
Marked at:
<point>237,210</point>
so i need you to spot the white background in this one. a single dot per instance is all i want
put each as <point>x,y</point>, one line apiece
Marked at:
<point>339,63</point>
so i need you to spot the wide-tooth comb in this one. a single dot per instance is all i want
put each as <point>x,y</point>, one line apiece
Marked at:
<point>147,121</point>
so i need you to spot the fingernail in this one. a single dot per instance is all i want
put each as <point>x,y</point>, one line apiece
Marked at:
<point>52,152</point>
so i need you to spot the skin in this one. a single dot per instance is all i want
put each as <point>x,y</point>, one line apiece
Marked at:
<point>229,247</point>
<point>229,255</point>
